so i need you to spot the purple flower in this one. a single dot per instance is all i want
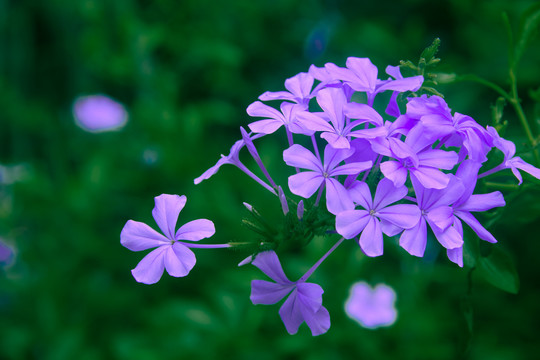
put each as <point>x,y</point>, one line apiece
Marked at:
<point>170,253</point>
<point>376,217</point>
<point>304,301</point>
<point>514,163</point>
<point>6,253</point>
<point>306,183</point>
<point>416,156</point>
<point>99,113</point>
<point>335,129</point>
<point>371,308</point>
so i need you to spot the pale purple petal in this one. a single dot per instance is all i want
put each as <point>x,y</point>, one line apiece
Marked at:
<point>267,293</point>
<point>267,126</point>
<point>483,202</point>
<point>395,172</point>
<point>310,295</point>
<point>387,194</point>
<point>318,323</point>
<point>305,183</point>
<point>366,74</point>
<point>476,226</point>
<point>414,240</point>
<point>290,313</point>
<point>332,100</point>
<point>300,85</point>
<point>179,260</point>
<point>456,255</point>
<point>150,268</point>
<point>406,84</point>
<point>333,157</point>
<point>371,239</point>
<point>258,109</point>
<point>166,212</point>
<point>360,194</point>
<point>313,122</point>
<point>440,218</point>
<point>276,95</point>
<point>196,230</point>
<point>337,197</point>
<point>405,216</point>
<point>439,159</point>
<point>430,178</point>
<point>268,263</point>
<point>363,112</point>
<point>517,162</point>
<point>137,236</point>
<point>299,156</point>
<point>351,223</point>
<point>450,238</point>
<point>336,141</point>
<point>352,168</point>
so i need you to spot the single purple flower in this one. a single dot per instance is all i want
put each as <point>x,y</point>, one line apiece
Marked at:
<point>371,307</point>
<point>376,217</point>
<point>306,183</point>
<point>415,156</point>
<point>170,253</point>
<point>99,113</point>
<point>332,122</point>
<point>6,254</point>
<point>304,301</point>
<point>512,162</point>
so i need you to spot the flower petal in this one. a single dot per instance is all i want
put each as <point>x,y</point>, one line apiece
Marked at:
<point>305,183</point>
<point>268,263</point>
<point>299,156</point>
<point>337,197</point>
<point>196,230</point>
<point>351,223</point>
<point>371,239</point>
<point>414,240</point>
<point>166,212</point>
<point>405,216</point>
<point>387,194</point>
<point>137,236</point>
<point>267,293</point>
<point>179,260</point>
<point>290,313</point>
<point>150,268</point>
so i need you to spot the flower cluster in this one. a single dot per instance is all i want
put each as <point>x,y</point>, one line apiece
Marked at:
<point>389,173</point>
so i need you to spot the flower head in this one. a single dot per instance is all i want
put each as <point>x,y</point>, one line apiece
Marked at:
<point>99,113</point>
<point>304,301</point>
<point>371,307</point>
<point>172,253</point>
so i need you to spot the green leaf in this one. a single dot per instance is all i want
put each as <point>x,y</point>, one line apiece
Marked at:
<point>528,28</point>
<point>429,53</point>
<point>471,250</point>
<point>498,269</point>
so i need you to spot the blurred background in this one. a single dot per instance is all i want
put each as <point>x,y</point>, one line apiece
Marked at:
<point>185,71</point>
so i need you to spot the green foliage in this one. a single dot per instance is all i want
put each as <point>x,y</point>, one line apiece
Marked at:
<point>186,71</point>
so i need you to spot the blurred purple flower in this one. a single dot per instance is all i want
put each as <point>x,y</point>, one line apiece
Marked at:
<point>170,254</point>
<point>99,113</point>
<point>6,254</point>
<point>304,301</point>
<point>371,308</point>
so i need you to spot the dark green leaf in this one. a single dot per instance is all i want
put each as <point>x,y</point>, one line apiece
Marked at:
<point>499,270</point>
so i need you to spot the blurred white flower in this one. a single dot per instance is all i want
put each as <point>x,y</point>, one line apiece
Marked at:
<point>99,113</point>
